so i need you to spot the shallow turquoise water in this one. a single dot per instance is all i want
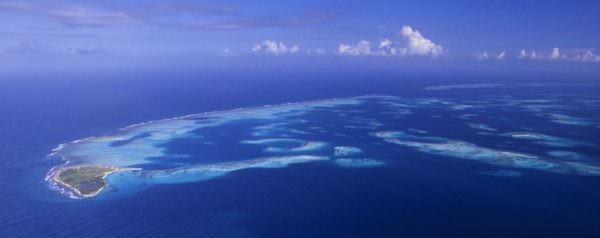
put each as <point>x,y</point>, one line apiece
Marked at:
<point>427,165</point>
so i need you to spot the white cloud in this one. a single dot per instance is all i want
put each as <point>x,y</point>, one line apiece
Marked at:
<point>486,56</point>
<point>385,43</point>
<point>522,54</point>
<point>555,54</point>
<point>388,47</point>
<point>585,56</point>
<point>482,56</point>
<point>501,56</point>
<point>361,48</point>
<point>419,45</point>
<point>415,45</point>
<point>574,55</point>
<point>274,48</point>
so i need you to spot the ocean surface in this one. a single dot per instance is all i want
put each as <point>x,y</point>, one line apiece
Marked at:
<point>418,156</point>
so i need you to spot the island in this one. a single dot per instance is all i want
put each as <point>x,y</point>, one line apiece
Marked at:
<point>84,181</point>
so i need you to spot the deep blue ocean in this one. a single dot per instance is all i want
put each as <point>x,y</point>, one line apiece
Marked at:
<point>417,196</point>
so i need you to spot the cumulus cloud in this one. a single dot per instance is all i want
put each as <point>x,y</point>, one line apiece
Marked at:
<point>486,56</point>
<point>501,55</point>
<point>555,54</point>
<point>586,56</point>
<point>274,48</point>
<point>535,55</point>
<point>414,44</point>
<point>389,47</point>
<point>361,48</point>
<point>575,55</point>
<point>482,56</point>
<point>522,54</point>
<point>419,45</point>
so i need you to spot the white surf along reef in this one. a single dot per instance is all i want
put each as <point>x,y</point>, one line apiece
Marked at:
<point>348,133</point>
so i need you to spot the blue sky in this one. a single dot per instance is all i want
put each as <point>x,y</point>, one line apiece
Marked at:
<point>108,35</point>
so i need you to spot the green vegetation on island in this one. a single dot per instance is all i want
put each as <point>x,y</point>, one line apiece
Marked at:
<point>85,181</point>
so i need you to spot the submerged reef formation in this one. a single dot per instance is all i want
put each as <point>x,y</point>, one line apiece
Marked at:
<point>567,120</point>
<point>207,171</point>
<point>567,155</point>
<point>137,149</point>
<point>286,145</point>
<point>358,163</point>
<point>345,151</point>
<point>548,140</point>
<point>482,127</point>
<point>345,132</point>
<point>470,151</point>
